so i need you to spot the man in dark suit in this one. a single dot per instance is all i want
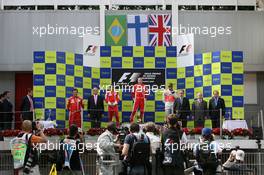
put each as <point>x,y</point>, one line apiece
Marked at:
<point>215,104</point>
<point>1,112</point>
<point>199,110</point>
<point>182,107</point>
<point>95,108</point>
<point>8,111</point>
<point>27,106</point>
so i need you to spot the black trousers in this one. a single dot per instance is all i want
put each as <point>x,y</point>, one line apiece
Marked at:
<point>172,171</point>
<point>198,123</point>
<point>7,125</point>
<point>27,116</point>
<point>215,123</point>
<point>7,121</point>
<point>142,169</point>
<point>96,121</point>
<point>1,122</point>
<point>207,170</point>
<point>184,123</point>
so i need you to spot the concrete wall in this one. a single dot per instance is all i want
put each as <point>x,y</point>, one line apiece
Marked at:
<point>251,110</point>
<point>17,41</point>
<point>7,82</point>
<point>247,34</point>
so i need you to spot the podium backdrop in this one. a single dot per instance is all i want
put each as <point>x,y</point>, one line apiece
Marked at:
<point>56,73</point>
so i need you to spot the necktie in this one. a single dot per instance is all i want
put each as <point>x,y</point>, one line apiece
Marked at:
<point>181,101</point>
<point>216,101</point>
<point>95,99</point>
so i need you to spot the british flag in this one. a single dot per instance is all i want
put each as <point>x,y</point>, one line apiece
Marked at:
<point>160,30</point>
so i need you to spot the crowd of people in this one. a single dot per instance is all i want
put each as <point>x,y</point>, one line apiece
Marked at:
<point>133,152</point>
<point>171,148</point>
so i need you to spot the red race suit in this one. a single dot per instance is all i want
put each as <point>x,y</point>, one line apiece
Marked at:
<point>112,99</point>
<point>139,94</point>
<point>75,106</point>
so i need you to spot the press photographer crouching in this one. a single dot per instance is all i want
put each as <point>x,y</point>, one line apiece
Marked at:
<point>24,149</point>
<point>136,152</point>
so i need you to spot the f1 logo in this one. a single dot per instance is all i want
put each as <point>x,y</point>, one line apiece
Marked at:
<point>124,77</point>
<point>132,79</point>
<point>185,49</point>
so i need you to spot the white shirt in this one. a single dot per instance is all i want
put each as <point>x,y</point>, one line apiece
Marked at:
<point>184,138</point>
<point>168,105</point>
<point>105,144</point>
<point>31,103</point>
<point>95,99</point>
<point>154,141</point>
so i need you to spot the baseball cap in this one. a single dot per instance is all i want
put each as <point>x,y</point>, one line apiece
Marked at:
<point>240,155</point>
<point>206,131</point>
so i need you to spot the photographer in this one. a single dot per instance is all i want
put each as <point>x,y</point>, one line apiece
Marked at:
<point>154,138</point>
<point>171,139</point>
<point>69,161</point>
<point>235,164</point>
<point>136,152</point>
<point>206,153</point>
<point>230,161</point>
<point>28,164</point>
<point>106,145</point>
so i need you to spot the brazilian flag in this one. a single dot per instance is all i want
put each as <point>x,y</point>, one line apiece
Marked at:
<point>115,30</point>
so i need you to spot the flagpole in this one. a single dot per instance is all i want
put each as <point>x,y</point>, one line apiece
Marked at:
<point>102,24</point>
<point>175,21</point>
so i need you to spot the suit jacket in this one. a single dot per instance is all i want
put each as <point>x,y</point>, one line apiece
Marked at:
<point>214,111</point>
<point>95,109</point>
<point>199,110</point>
<point>7,107</point>
<point>182,110</point>
<point>1,110</point>
<point>25,106</point>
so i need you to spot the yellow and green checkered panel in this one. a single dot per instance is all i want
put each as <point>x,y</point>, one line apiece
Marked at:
<point>56,73</point>
<point>140,57</point>
<point>221,70</point>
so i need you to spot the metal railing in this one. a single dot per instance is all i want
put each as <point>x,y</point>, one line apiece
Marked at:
<point>253,160</point>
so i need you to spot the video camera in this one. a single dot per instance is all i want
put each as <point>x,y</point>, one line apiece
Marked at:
<point>36,127</point>
<point>123,132</point>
